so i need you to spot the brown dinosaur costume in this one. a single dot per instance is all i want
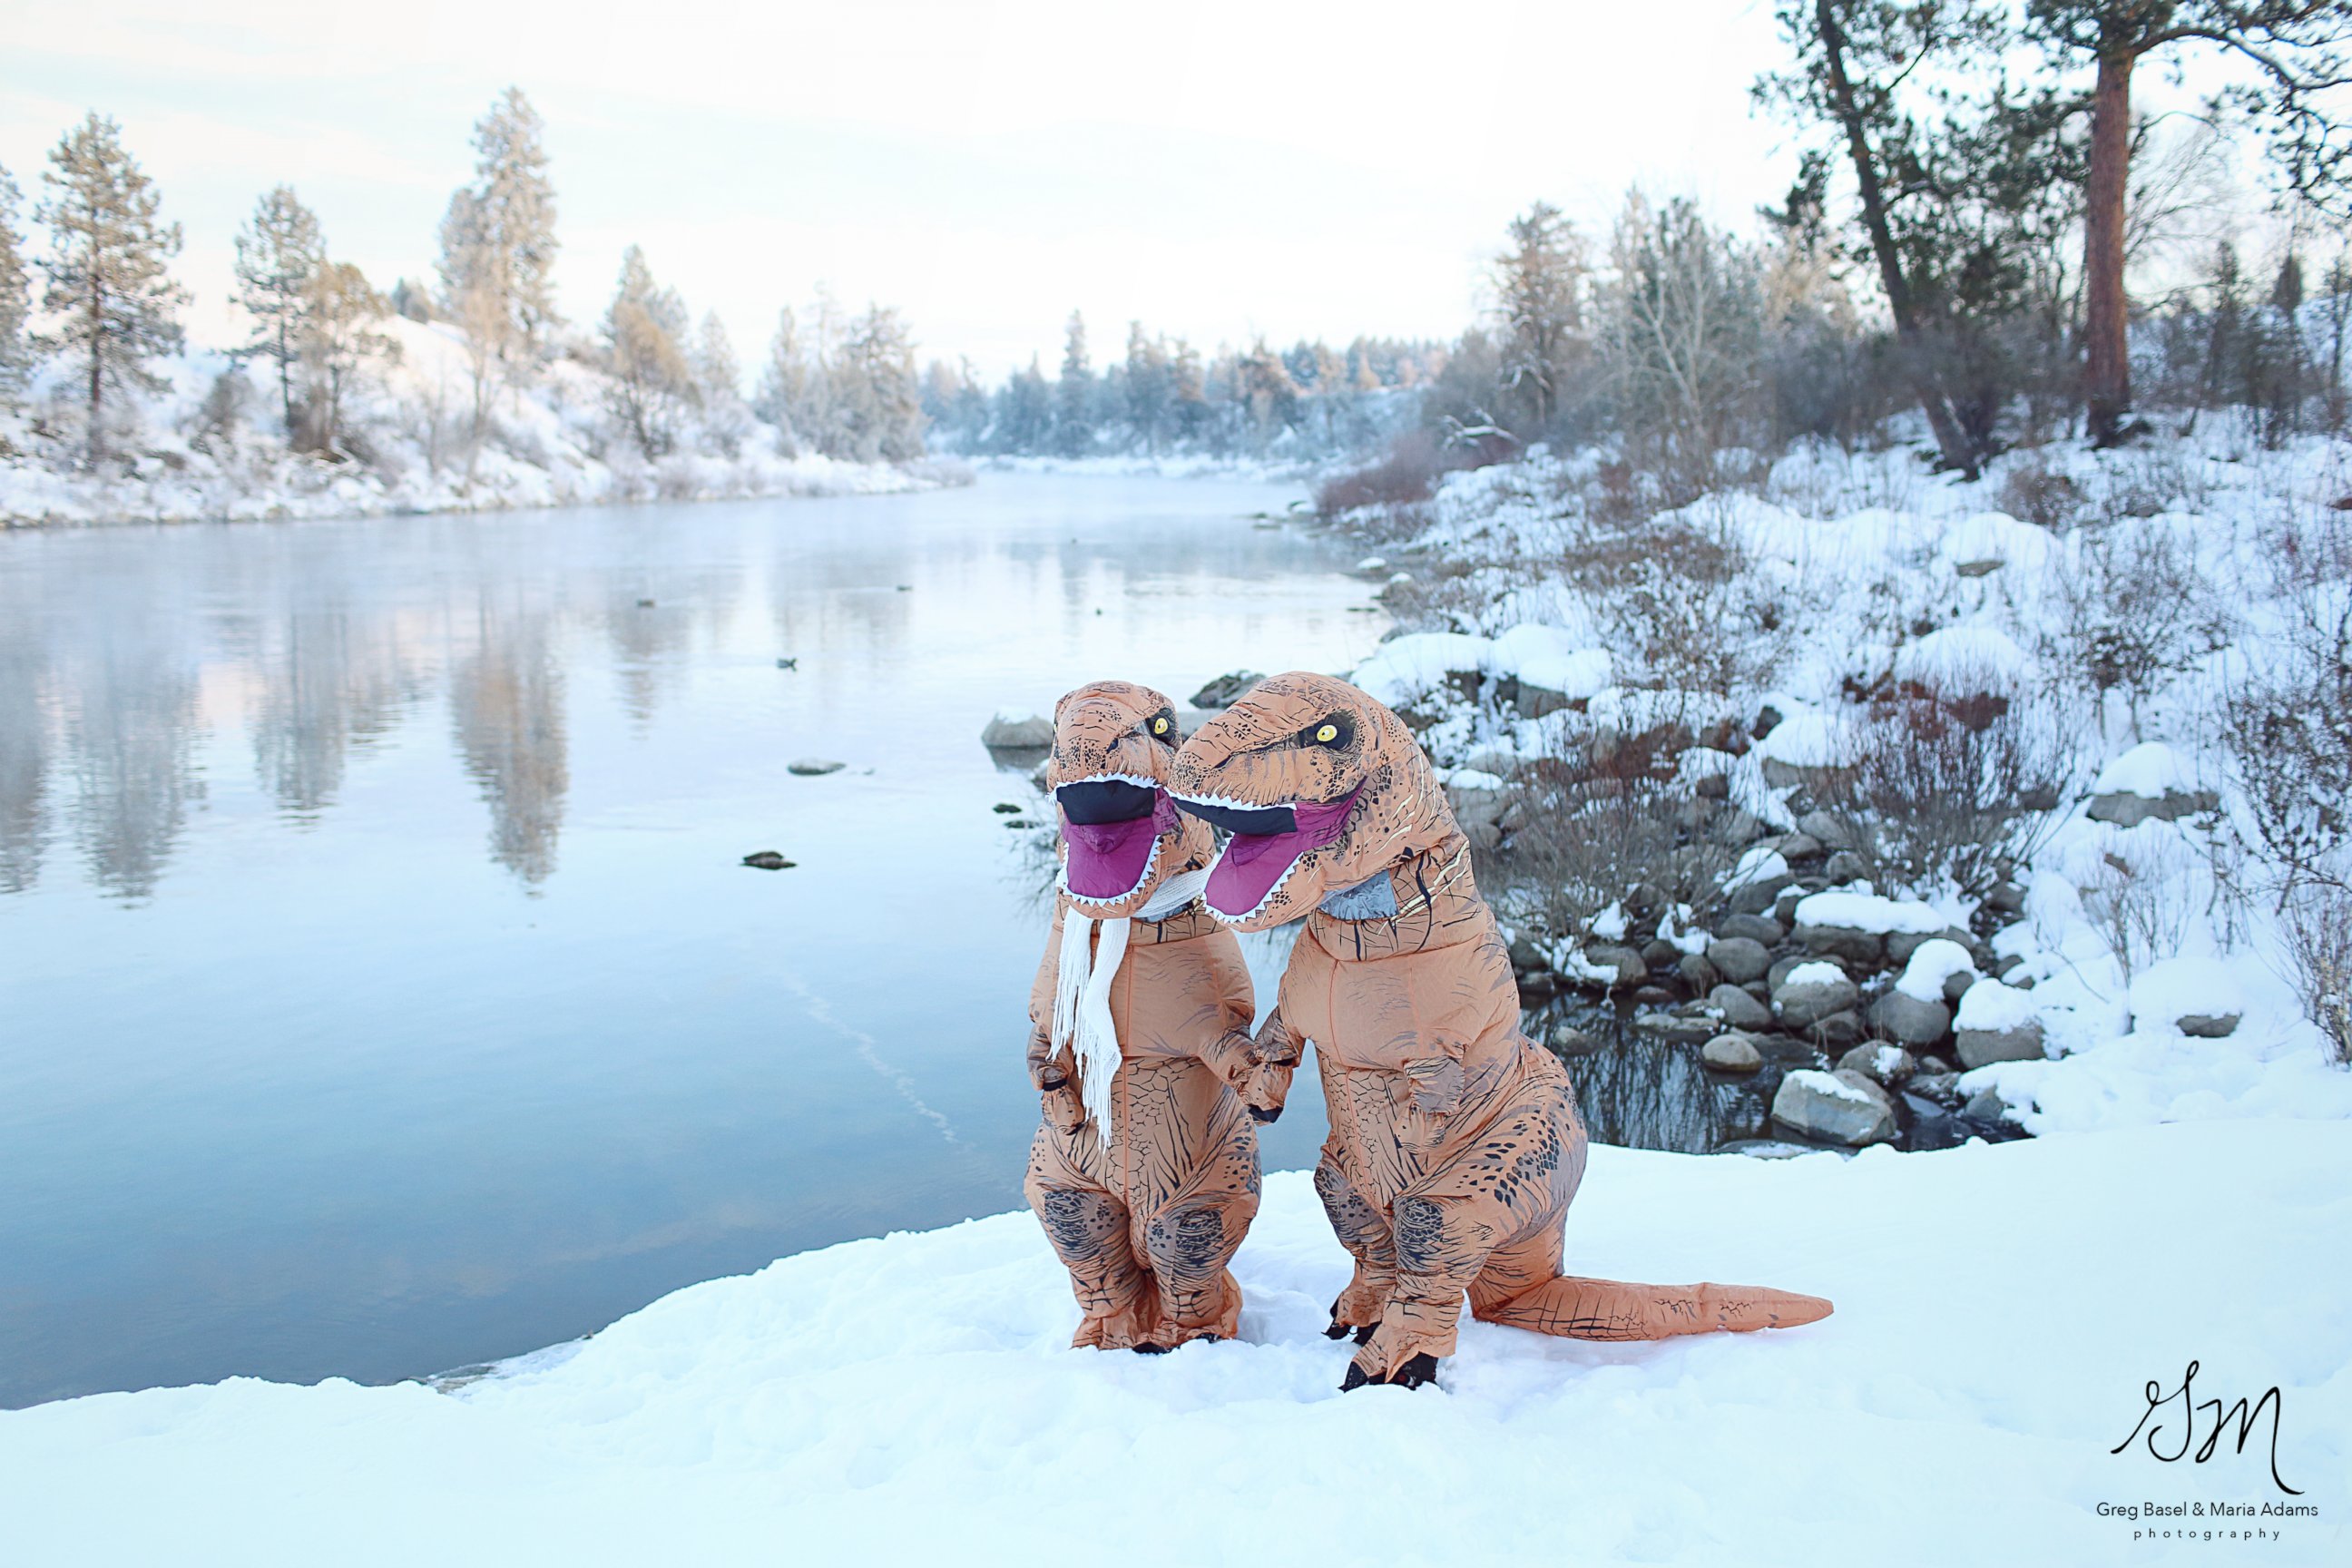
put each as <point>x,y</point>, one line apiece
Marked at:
<point>1145,1171</point>
<point>1456,1144</point>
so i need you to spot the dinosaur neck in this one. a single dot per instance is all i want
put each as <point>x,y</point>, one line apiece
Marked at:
<point>1436,901</point>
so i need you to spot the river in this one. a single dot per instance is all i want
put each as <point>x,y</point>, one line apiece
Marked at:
<point>381,989</point>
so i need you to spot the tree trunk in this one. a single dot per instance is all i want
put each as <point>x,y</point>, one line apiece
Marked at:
<point>1959,452</point>
<point>93,445</point>
<point>2106,315</point>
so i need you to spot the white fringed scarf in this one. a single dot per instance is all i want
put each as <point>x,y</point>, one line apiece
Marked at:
<point>1082,980</point>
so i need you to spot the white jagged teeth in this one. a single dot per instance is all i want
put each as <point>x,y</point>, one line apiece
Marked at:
<point>1063,877</point>
<point>1271,894</point>
<point>1137,779</point>
<point>1235,804</point>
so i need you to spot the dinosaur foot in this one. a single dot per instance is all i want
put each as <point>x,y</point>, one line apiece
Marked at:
<point>1418,1369</point>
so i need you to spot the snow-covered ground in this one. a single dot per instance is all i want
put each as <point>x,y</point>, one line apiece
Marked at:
<point>553,444</point>
<point>2001,1311</point>
<point>1881,576</point>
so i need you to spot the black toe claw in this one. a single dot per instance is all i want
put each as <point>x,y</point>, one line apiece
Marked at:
<point>1355,1379</point>
<point>1148,1349</point>
<point>1259,1115</point>
<point>1416,1370</point>
<point>1338,1331</point>
<point>1364,1335</point>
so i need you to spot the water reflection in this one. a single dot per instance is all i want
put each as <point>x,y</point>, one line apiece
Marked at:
<point>131,730</point>
<point>24,765</point>
<point>1642,1092</point>
<point>507,698</point>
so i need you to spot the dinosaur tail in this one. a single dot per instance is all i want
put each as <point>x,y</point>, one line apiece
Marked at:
<point>1613,1310</point>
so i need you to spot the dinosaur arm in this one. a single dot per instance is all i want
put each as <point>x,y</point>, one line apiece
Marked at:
<point>1274,1057</point>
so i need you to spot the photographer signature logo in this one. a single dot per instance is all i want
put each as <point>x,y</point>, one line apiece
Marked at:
<point>2182,1406</point>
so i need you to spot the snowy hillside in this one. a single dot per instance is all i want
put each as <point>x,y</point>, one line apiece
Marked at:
<point>911,1399</point>
<point>2143,677</point>
<point>203,454</point>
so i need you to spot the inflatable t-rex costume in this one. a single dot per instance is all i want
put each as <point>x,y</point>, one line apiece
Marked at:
<point>1456,1144</point>
<point>1145,1171</point>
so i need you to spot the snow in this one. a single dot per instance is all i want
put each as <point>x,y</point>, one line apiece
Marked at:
<point>2151,770</point>
<point>1990,1005</point>
<point>1407,668</point>
<point>1757,864</point>
<point>1829,1084</point>
<point>1868,912</point>
<point>1964,662</point>
<point>910,1399</point>
<point>1818,971</point>
<point>2181,987</point>
<point>1932,962</point>
<point>1471,778</point>
<point>1813,739</point>
<point>1549,657</point>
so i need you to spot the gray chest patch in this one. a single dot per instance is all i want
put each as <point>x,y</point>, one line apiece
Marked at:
<point>1369,900</point>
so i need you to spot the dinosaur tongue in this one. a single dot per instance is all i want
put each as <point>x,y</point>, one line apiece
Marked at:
<point>1107,859</point>
<point>1254,862</point>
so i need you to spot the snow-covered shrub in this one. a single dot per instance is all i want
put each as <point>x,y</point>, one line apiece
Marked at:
<point>2135,901</point>
<point>2318,930</point>
<point>1583,845</point>
<point>1953,795</point>
<point>2130,612</point>
<point>2288,726</point>
<point>2034,492</point>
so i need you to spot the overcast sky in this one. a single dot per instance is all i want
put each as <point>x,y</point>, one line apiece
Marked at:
<point>1221,170</point>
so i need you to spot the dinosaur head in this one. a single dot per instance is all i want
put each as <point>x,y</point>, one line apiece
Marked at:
<point>1322,789</point>
<point>1113,745</point>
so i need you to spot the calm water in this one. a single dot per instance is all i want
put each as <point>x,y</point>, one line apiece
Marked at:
<point>378,987</point>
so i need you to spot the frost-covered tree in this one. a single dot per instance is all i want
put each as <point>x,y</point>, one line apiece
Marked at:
<point>110,283</point>
<point>1539,282</point>
<point>1073,394</point>
<point>1680,328</point>
<point>15,299</point>
<point>279,252</point>
<point>879,396</point>
<point>498,251</point>
<point>339,342</point>
<point>645,333</point>
<point>1024,412</point>
<point>782,397</point>
<point>1150,388</point>
<point>719,380</point>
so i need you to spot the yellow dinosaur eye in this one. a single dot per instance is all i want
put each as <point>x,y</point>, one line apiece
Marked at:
<point>1327,734</point>
<point>1160,726</point>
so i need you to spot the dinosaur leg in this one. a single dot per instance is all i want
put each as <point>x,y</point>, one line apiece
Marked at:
<point>1191,1239</point>
<point>1364,1231</point>
<point>1087,1228</point>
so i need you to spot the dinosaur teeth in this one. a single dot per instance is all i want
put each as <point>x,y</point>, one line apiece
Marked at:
<point>1062,881</point>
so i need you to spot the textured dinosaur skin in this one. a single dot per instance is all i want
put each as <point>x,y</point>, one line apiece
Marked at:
<point>1456,1144</point>
<point>1147,1221</point>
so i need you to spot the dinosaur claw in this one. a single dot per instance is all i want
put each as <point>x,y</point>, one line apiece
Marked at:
<point>1355,1379</point>
<point>1417,1371</point>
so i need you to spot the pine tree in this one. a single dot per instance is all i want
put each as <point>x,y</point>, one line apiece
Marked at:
<point>644,332</point>
<point>1074,425</point>
<point>1151,387</point>
<point>880,403</point>
<point>279,252</point>
<point>782,397</point>
<point>15,299</point>
<point>340,312</point>
<point>1538,296</point>
<point>108,267</point>
<point>721,381</point>
<point>498,251</point>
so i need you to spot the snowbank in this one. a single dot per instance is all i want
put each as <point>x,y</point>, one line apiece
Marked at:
<point>911,1399</point>
<point>1855,910</point>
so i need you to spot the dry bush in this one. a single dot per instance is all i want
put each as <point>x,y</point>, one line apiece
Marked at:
<point>1406,474</point>
<point>1581,847</point>
<point>1942,793</point>
<point>2158,478</point>
<point>2288,729</point>
<point>2318,928</point>
<point>1684,601</point>
<point>2033,492</point>
<point>2133,906</point>
<point>2131,613</point>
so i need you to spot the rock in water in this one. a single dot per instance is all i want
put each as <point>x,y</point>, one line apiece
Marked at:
<point>1014,730</point>
<point>1731,1053</point>
<point>1810,993</point>
<point>767,860</point>
<point>1738,959</point>
<point>1222,691</point>
<point>813,767</point>
<point>1840,1107</point>
<point>1737,1009</point>
<point>1909,1020</point>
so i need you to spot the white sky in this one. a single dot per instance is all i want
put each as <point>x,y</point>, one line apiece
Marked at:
<point>1218,169</point>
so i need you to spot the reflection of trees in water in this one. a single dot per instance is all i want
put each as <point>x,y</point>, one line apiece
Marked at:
<point>130,731</point>
<point>25,742</point>
<point>1641,1093</point>
<point>334,681</point>
<point>507,698</point>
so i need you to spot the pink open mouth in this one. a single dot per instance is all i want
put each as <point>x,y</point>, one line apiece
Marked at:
<point>1254,864</point>
<point>1108,859</point>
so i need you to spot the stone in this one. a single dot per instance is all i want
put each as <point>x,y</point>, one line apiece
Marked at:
<point>1571,1041</point>
<point>1941,1085</point>
<point>1737,1009</point>
<point>1528,954</point>
<point>1009,732</point>
<point>1225,690</point>
<point>1537,986</point>
<point>1937,1065</point>
<point>1735,825</point>
<point>1957,987</point>
<point>1781,970</point>
<point>1846,866</point>
<point>813,767</point>
<point>1713,786</point>
<point>1697,973</point>
<point>1902,944</point>
<point>1807,996</point>
<point>1757,897</point>
<point>1987,1105</point>
<point>1880,1063</point>
<point>2125,809</point>
<point>1653,996</point>
<point>1826,826</point>
<point>767,860</point>
<point>1840,1030</point>
<point>1835,1107</point>
<point>1625,965</point>
<point>1908,1019</point>
<point>1842,941</point>
<point>1981,1047</point>
<point>1660,953</point>
<point>1731,1053</point>
<point>1801,846</point>
<point>1738,959</point>
<point>1673,1030</point>
<point>1754,928</point>
<point>2210,1026</point>
<point>2008,898</point>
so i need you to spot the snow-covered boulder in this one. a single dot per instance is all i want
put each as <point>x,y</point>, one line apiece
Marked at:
<point>1731,1052</point>
<point>1996,1023</point>
<point>2151,780</point>
<point>1882,1064</point>
<point>1939,970</point>
<point>1812,992</point>
<point>1961,664</point>
<point>1554,670</point>
<point>2197,996</point>
<point>1805,749</point>
<point>1405,671</point>
<point>1902,1017</point>
<point>1841,1107</point>
<point>1017,730</point>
